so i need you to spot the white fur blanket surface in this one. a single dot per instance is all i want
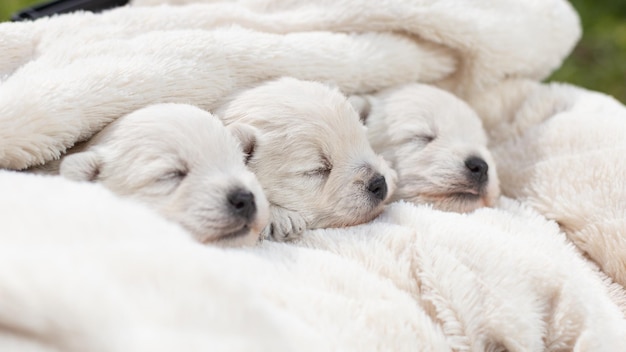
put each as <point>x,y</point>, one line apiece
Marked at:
<point>544,270</point>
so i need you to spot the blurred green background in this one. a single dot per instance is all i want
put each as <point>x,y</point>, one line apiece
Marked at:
<point>8,7</point>
<point>598,62</point>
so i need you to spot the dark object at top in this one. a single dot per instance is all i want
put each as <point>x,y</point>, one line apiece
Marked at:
<point>65,6</point>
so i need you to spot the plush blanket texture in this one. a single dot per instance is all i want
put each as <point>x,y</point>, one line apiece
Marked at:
<point>95,272</point>
<point>545,270</point>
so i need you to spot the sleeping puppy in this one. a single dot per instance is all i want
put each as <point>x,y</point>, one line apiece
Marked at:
<point>436,144</point>
<point>184,163</point>
<point>311,156</point>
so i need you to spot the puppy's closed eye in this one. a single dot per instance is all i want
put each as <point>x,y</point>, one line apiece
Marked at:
<point>323,170</point>
<point>319,172</point>
<point>176,175</point>
<point>424,138</point>
<point>165,183</point>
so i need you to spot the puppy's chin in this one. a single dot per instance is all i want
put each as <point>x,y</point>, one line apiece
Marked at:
<point>241,238</point>
<point>366,216</point>
<point>347,216</point>
<point>459,202</point>
<point>236,234</point>
<point>246,234</point>
<point>357,208</point>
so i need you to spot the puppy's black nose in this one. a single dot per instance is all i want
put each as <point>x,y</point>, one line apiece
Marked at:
<point>378,187</point>
<point>241,203</point>
<point>477,169</point>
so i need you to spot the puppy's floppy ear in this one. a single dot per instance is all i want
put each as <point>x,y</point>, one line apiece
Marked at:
<point>83,166</point>
<point>362,105</point>
<point>247,136</point>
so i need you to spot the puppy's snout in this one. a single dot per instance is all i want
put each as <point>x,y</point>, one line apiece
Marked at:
<point>478,169</point>
<point>241,203</point>
<point>378,187</point>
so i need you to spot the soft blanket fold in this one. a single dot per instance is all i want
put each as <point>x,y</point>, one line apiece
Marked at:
<point>479,36</point>
<point>559,149</point>
<point>415,279</point>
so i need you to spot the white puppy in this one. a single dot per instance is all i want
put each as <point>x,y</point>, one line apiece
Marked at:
<point>183,162</point>
<point>312,156</point>
<point>436,144</point>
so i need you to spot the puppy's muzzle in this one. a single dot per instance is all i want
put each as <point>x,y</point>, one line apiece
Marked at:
<point>378,187</point>
<point>241,204</point>
<point>477,172</point>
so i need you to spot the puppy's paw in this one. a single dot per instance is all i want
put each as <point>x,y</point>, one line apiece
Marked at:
<point>284,225</point>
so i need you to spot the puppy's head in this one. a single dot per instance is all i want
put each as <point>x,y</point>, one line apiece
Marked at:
<point>312,154</point>
<point>435,142</point>
<point>183,162</point>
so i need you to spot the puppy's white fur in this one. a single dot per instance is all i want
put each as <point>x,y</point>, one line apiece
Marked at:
<point>183,162</point>
<point>433,140</point>
<point>312,156</point>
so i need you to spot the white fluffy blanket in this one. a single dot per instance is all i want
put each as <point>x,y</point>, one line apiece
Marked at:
<point>97,273</point>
